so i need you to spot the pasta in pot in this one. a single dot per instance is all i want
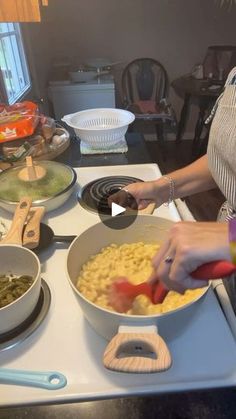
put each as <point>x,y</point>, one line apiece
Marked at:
<point>134,262</point>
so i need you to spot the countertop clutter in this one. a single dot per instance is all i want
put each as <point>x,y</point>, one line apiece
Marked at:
<point>210,403</point>
<point>24,131</point>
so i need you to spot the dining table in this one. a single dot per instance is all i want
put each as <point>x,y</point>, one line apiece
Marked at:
<point>209,403</point>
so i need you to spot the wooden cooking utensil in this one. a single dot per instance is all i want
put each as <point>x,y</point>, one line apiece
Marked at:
<point>122,292</point>
<point>31,234</point>
<point>14,235</point>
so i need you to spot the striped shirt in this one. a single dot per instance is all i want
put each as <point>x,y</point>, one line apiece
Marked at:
<point>221,151</point>
<point>233,81</point>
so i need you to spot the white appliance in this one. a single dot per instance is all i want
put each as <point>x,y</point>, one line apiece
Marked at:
<point>74,97</point>
<point>203,352</point>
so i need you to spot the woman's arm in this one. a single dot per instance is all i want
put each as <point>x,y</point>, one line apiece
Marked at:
<point>192,179</point>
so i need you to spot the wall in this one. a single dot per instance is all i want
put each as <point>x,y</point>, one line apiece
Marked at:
<point>176,32</point>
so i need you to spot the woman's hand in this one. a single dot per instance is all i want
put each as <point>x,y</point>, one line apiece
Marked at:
<point>143,193</point>
<point>189,245</point>
<point>189,180</point>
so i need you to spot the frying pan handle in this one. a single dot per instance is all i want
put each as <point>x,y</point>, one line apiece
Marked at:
<point>212,270</point>
<point>128,352</point>
<point>63,239</point>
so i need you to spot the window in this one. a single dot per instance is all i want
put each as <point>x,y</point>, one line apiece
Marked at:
<point>14,74</point>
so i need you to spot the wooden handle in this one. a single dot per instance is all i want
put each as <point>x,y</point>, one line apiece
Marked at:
<point>137,353</point>
<point>31,234</point>
<point>14,235</point>
<point>31,172</point>
<point>148,210</point>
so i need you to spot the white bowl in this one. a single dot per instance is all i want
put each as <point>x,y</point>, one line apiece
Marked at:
<point>19,261</point>
<point>101,127</point>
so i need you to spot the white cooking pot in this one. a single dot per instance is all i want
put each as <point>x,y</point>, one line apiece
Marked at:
<point>135,345</point>
<point>18,261</point>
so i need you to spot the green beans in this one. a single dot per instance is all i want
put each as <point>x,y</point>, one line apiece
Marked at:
<point>13,287</point>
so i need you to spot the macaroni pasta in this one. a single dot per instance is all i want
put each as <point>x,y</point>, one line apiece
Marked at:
<point>134,262</point>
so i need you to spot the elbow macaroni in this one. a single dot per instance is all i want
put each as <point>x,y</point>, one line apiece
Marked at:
<point>134,262</point>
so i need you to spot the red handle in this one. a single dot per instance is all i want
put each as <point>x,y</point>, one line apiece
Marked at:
<point>211,270</point>
<point>214,270</point>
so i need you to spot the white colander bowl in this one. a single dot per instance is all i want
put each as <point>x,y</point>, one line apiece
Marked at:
<point>100,128</point>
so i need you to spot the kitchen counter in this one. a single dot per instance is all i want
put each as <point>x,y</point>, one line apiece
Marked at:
<point>220,403</point>
<point>137,153</point>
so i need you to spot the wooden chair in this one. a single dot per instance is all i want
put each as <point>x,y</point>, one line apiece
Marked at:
<point>145,88</point>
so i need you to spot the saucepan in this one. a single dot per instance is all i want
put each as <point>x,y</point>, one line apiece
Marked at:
<point>20,263</point>
<point>51,190</point>
<point>20,281</point>
<point>134,343</point>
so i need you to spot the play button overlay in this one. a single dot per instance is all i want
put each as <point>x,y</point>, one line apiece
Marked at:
<point>118,210</point>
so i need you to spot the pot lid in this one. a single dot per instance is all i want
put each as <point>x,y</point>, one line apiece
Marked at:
<point>57,179</point>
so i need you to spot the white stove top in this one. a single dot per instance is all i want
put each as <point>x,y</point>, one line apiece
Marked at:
<point>202,346</point>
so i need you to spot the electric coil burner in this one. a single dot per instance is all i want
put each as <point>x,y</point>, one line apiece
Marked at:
<point>95,194</point>
<point>13,337</point>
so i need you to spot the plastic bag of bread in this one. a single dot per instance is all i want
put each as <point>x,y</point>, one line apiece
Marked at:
<point>18,120</point>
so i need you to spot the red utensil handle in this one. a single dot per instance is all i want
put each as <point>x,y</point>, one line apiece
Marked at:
<point>214,270</point>
<point>159,294</point>
<point>211,270</point>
